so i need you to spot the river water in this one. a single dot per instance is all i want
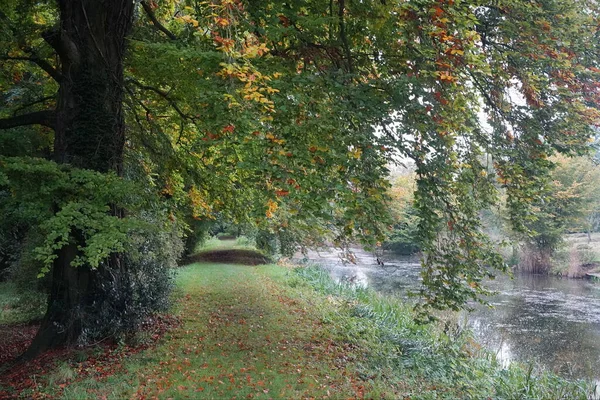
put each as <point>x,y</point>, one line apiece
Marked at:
<point>546,321</point>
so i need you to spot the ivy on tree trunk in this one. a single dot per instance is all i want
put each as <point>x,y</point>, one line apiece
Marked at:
<point>89,133</point>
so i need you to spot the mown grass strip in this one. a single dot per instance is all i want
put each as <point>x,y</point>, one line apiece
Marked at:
<point>244,335</point>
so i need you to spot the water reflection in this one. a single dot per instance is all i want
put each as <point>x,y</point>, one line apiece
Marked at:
<point>550,322</point>
<point>396,276</point>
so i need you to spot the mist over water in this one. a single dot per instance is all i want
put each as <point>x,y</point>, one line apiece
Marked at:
<point>547,321</point>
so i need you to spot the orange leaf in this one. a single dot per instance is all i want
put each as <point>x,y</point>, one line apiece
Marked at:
<point>229,128</point>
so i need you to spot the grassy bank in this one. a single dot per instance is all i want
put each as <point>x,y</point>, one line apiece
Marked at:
<point>426,362</point>
<point>580,254</point>
<point>244,334</point>
<point>274,332</point>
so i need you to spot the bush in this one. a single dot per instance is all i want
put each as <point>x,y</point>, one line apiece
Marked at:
<point>404,248</point>
<point>25,269</point>
<point>197,235</point>
<point>403,239</point>
<point>9,250</point>
<point>20,306</point>
<point>142,287</point>
<point>244,241</point>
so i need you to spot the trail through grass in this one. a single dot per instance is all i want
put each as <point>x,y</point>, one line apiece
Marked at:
<point>242,337</point>
<point>272,332</point>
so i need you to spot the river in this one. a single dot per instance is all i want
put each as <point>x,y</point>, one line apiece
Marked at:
<point>546,321</point>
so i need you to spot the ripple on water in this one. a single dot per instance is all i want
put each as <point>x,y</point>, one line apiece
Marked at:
<point>541,319</point>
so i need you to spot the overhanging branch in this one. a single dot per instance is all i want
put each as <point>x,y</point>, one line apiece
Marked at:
<point>44,118</point>
<point>43,64</point>
<point>150,13</point>
<point>32,103</point>
<point>165,96</point>
<point>485,93</point>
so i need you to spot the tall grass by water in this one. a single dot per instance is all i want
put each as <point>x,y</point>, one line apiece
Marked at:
<point>436,361</point>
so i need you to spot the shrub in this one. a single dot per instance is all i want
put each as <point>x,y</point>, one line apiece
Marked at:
<point>25,268</point>
<point>244,241</point>
<point>142,288</point>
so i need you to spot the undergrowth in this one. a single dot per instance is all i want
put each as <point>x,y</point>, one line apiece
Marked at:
<point>214,243</point>
<point>20,306</point>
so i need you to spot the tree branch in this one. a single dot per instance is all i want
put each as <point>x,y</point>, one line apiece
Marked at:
<point>165,96</point>
<point>330,51</point>
<point>485,93</point>
<point>43,64</point>
<point>346,46</point>
<point>63,45</point>
<point>44,118</point>
<point>148,112</point>
<point>32,103</point>
<point>150,13</point>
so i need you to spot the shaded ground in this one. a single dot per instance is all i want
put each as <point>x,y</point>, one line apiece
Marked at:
<point>14,340</point>
<point>67,365</point>
<point>229,256</point>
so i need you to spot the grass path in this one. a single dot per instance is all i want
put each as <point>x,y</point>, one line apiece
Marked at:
<point>253,332</point>
<point>244,335</point>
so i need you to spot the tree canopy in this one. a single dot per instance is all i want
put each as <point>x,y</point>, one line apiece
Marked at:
<point>121,117</point>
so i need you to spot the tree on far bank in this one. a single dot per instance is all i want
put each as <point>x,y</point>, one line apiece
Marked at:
<point>570,204</point>
<point>403,235</point>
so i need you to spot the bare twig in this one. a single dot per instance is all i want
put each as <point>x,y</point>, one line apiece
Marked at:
<point>32,103</point>
<point>164,95</point>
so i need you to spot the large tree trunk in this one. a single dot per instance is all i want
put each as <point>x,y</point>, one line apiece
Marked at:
<point>90,42</point>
